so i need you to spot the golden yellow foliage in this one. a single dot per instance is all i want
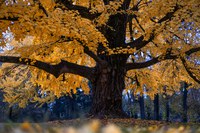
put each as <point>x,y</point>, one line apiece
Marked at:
<point>103,36</point>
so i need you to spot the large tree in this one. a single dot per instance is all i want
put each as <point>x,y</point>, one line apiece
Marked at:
<point>113,44</point>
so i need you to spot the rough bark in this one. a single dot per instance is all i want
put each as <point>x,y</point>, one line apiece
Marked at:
<point>107,93</point>
<point>108,82</point>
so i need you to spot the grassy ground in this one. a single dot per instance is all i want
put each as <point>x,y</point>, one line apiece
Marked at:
<point>100,126</point>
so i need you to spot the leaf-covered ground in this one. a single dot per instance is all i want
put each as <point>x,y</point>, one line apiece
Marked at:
<point>100,126</point>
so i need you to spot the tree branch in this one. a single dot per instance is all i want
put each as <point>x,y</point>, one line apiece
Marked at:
<point>136,19</point>
<point>10,18</point>
<point>158,59</point>
<point>131,30</point>
<point>92,55</point>
<point>126,4</point>
<point>56,70</point>
<point>83,11</point>
<point>188,71</point>
<point>139,23</point>
<point>41,7</point>
<point>168,16</point>
<point>140,43</point>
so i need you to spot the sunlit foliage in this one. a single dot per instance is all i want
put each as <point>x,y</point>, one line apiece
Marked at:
<point>160,38</point>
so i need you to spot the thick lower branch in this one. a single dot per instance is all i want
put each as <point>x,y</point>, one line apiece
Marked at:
<point>56,70</point>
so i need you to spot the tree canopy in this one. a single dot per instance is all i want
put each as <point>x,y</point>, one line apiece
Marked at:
<point>63,44</point>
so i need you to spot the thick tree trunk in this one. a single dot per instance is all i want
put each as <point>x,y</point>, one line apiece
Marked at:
<point>185,103</point>
<point>109,84</point>
<point>107,94</point>
<point>156,107</point>
<point>142,109</point>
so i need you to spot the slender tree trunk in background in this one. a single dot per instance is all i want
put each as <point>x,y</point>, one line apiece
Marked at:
<point>10,113</point>
<point>57,108</point>
<point>130,103</point>
<point>134,103</point>
<point>167,109</point>
<point>148,117</point>
<point>45,106</point>
<point>135,115</point>
<point>45,112</point>
<point>74,105</point>
<point>69,107</point>
<point>142,109</point>
<point>156,107</point>
<point>185,107</point>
